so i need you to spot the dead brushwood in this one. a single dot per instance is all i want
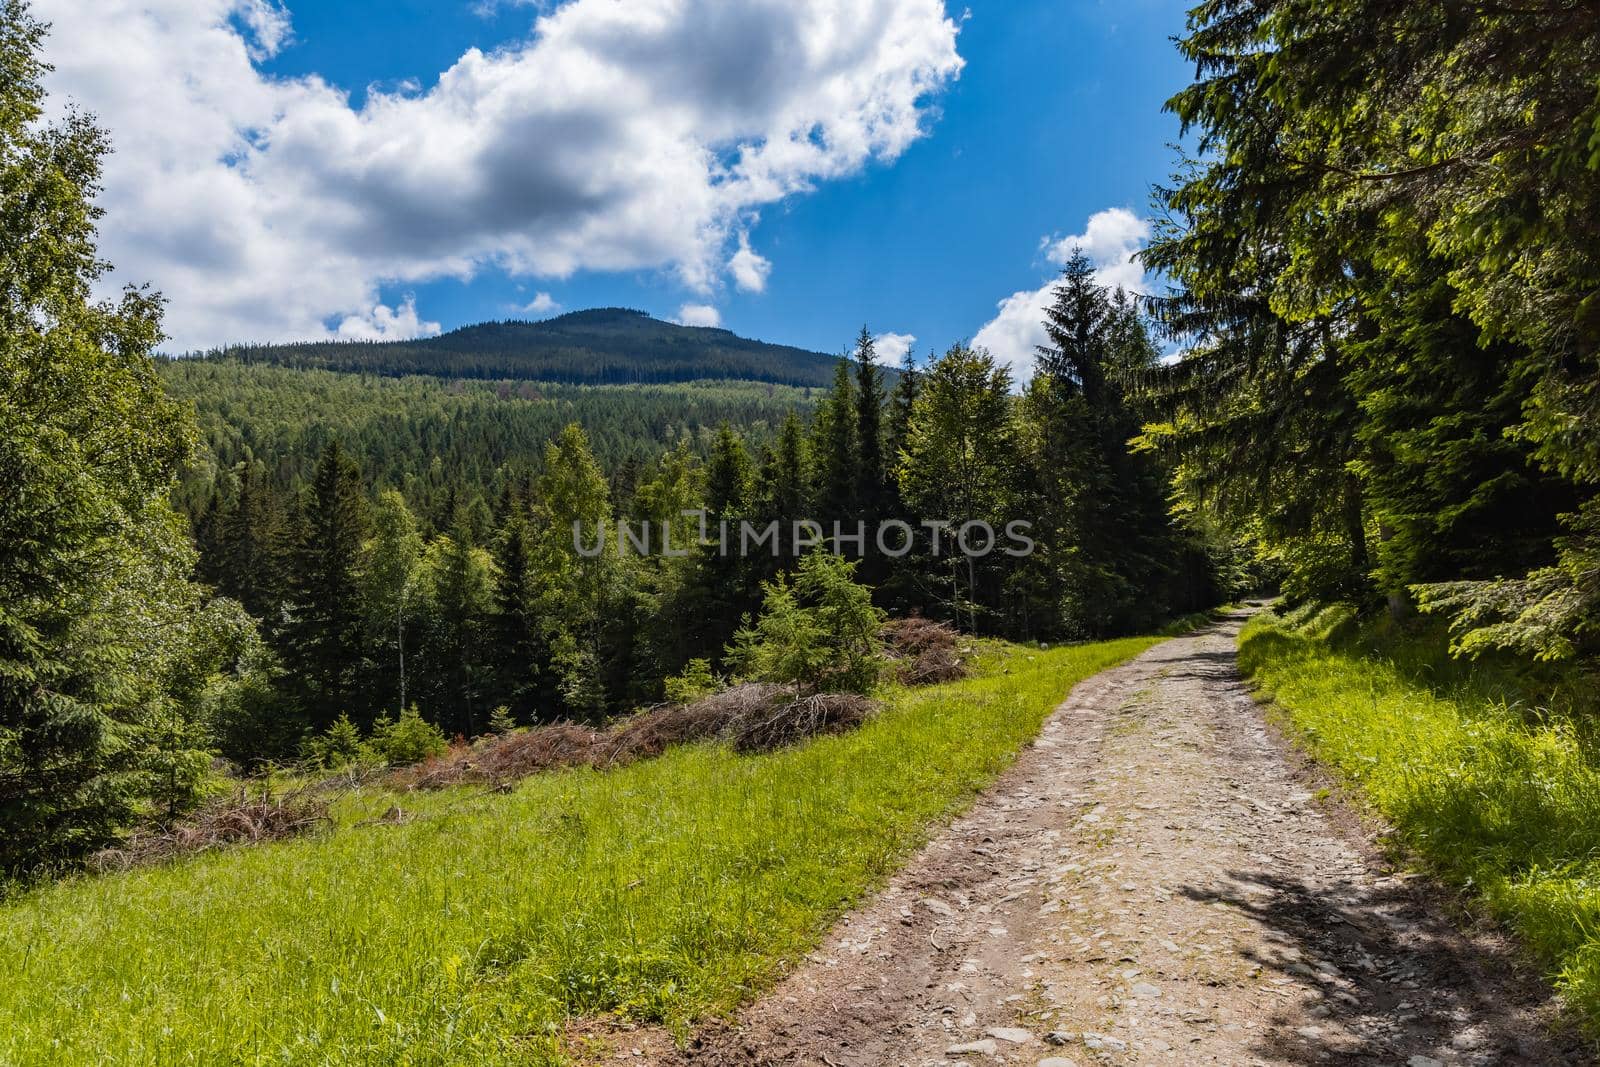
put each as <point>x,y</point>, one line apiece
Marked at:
<point>753,717</point>
<point>243,818</point>
<point>499,759</point>
<point>924,652</point>
<point>788,722</point>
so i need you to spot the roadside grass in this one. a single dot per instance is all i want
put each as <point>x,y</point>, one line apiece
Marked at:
<point>470,930</point>
<point>1487,772</point>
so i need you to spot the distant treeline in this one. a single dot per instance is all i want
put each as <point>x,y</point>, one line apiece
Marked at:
<point>608,346</point>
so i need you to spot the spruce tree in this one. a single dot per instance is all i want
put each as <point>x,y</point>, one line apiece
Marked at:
<point>835,452</point>
<point>325,647</point>
<point>871,471</point>
<point>102,634</point>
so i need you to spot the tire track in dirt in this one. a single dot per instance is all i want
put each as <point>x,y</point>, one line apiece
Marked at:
<point>1153,881</point>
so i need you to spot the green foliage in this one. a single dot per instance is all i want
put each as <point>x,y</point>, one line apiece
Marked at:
<point>667,891</point>
<point>501,722</point>
<point>1388,251</point>
<point>106,646</point>
<point>326,620</point>
<point>695,681</point>
<point>820,632</point>
<point>340,745</point>
<point>406,740</point>
<point>573,591</point>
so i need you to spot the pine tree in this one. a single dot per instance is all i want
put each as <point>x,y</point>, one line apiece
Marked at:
<point>785,478</point>
<point>461,597</point>
<point>1110,552</point>
<point>835,454</point>
<point>253,549</point>
<point>728,476</point>
<point>325,646</point>
<point>518,653</point>
<point>957,464</point>
<point>901,404</point>
<point>871,471</point>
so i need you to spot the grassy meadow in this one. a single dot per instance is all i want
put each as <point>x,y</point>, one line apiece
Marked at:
<point>1488,773</point>
<point>469,929</point>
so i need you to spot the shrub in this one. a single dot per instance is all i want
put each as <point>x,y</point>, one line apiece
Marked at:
<point>339,747</point>
<point>819,632</point>
<point>411,739</point>
<point>501,722</point>
<point>695,682</point>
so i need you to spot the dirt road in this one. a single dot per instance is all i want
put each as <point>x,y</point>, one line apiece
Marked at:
<point>1155,881</point>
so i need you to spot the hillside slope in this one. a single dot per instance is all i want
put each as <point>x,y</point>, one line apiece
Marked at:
<point>601,346</point>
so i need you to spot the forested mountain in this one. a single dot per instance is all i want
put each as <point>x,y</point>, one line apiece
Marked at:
<point>599,346</point>
<point>440,441</point>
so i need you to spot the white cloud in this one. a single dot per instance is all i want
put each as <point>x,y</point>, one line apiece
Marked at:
<point>698,315</point>
<point>748,267</point>
<point>383,323</point>
<point>542,304</point>
<point>1110,241</point>
<point>892,347</point>
<point>644,135</point>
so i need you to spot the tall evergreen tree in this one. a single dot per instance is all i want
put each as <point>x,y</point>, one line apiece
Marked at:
<point>253,546</point>
<point>461,599</point>
<point>958,463</point>
<point>102,650</point>
<point>325,646</point>
<point>519,656</point>
<point>872,496</point>
<point>835,451</point>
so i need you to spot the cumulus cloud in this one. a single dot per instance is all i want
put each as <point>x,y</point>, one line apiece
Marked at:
<point>384,323</point>
<point>1110,241</point>
<point>892,347</point>
<point>698,315</point>
<point>748,267</point>
<point>644,135</point>
<point>542,304</point>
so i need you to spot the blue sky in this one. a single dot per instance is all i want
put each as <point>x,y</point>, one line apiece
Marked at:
<point>1050,114</point>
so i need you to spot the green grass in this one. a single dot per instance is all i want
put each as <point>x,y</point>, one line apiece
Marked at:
<point>670,890</point>
<point>1486,772</point>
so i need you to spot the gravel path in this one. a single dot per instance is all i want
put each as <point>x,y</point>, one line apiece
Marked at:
<point>1154,881</point>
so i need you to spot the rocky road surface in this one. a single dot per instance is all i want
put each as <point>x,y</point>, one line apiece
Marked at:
<point>1158,879</point>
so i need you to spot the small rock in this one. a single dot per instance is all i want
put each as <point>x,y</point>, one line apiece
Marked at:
<point>1145,989</point>
<point>1424,1061</point>
<point>1058,1037</point>
<point>1057,1061</point>
<point>1014,1034</point>
<point>1105,1041</point>
<point>985,1047</point>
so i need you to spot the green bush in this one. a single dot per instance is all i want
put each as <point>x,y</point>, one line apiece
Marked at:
<point>339,747</point>
<point>820,632</point>
<point>695,682</point>
<point>410,739</point>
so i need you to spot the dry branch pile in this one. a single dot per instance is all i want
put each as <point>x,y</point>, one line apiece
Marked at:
<point>924,652</point>
<point>753,717</point>
<point>241,819</point>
